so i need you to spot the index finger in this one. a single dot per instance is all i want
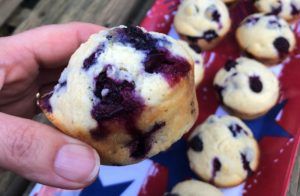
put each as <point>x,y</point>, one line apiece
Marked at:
<point>48,46</point>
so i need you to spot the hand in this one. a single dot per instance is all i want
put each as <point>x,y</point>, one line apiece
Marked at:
<point>28,62</point>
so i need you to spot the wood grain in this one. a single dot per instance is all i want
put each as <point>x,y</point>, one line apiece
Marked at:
<point>102,12</point>
<point>6,9</point>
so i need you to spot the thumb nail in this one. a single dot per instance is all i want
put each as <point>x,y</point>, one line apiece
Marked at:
<point>77,163</point>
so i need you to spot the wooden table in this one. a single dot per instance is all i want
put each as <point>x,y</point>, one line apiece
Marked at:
<point>20,15</point>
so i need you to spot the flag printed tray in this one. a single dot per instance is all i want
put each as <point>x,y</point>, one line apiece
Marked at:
<point>278,131</point>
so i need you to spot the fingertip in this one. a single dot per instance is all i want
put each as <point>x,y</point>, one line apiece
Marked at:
<point>77,163</point>
<point>42,154</point>
<point>85,30</point>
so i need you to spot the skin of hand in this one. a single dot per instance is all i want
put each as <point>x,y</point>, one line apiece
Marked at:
<point>29,61</point>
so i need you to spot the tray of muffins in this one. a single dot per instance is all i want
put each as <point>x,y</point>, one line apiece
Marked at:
<point>231,99</point>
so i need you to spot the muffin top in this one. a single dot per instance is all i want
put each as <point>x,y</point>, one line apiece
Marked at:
<point>247,86</point>
<point>206,19</point>
<point>223,151</point>
<point>194,188</point>
<point>287,9</point>
<point>266,36</point>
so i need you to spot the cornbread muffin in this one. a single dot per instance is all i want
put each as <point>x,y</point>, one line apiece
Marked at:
<point>198,62</point>
<point>267,38</point>
<point>122,92</point>
<point>194,188</point>
<point>202,23</point>
<point>246,88</point>
<point>286,9</point>
<point>223,151</point>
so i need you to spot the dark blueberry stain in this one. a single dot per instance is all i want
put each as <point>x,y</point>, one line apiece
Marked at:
<point>64,83</point>
<point>234,74</point>
<point>230,64</point>
<point>196,48</point>
<point>210,35</point>
<point>219,90</point>
<point>109,37</point>
<point>216,16</point>
<point>44,102</point>
<point>137,38</point>
<point>141,143</point>
<point>216,167</point>
<point>282,45</point>
<point>196,144</point>
<point>236,130</point>
<point>277,10</point>
<point>246,165</point>
<point>193,38</point>
<point>295,10</point>
<point>255,84</point>
<point>172,68</point>
<point>61,85</point>
<point>213,13</point>
<point>119,100</point>
<point>158,58</point>
<point>251,21</point>
<point>92,59</point>
<point>274,24</point>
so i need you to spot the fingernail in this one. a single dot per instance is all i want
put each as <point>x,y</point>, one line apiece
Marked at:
<point>77,163</point>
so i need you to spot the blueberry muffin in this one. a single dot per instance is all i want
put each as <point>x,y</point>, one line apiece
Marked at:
<point>122,92</point>
<point>267,38</point>
<point>246,88</point>
<point>194,188</point>
<point>286,9</point>
<point>223,151</point>
<point>198,62</point>
<point>202,23</point>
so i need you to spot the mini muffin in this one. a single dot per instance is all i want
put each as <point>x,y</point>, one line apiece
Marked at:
<point>223,151</point>
<point>202,23</point>
<point>198,62</point>
<point>122,92</point>
<point>286,9</point>
<point>194,188</point>
<point>267,38</point>
<point>246,88</point>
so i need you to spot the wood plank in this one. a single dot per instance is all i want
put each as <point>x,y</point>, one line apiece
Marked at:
<point>105,12</point>
<point>18,17</point>
<point>6,9</point>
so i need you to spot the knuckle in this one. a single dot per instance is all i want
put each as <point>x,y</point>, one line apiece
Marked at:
<point>22,144</point>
